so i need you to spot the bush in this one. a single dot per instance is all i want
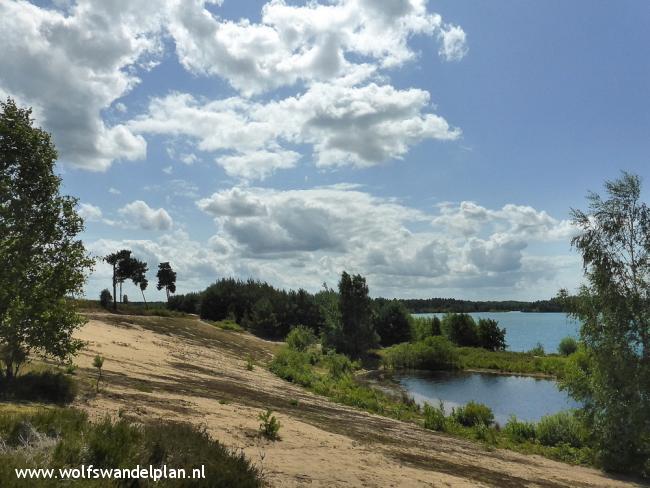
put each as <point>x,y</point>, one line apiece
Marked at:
<point>339,365</point>
<point>188,303</point>
<point>294,366</point>
<point>105,298</point>
<point>423,327</point>
<point>300,338</point>
<point>490,336</point>
<point>269,425</point>
<point>472,414</point>
<point>460,329</point>
<point>43,386</point>
<point>567,346</point>
<point>392,323</point>
<point>64,437</point>
<point>561,428</point>
<point>538,350</point>
<point>433,353</point>
<point>518,431</point>
<point>434,417</point>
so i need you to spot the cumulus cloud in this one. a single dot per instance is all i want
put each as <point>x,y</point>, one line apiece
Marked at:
<point>89,212</point>
<point>70,68</point>
<point>75,63</point>
<point>139,214</point>
<point>358,125</point>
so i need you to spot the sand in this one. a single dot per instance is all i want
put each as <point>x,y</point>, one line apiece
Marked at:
<point>183,369</point>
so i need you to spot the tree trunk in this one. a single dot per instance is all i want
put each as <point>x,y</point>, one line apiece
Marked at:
<point>167,291</point>
<point>121,292</point>
<point>143,298</point>
<point>114,290</point>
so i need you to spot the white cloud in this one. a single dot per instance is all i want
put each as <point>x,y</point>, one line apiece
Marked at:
<point>74,61</point>
<point>313,42</point>
<point>89,212</point>
<point>361,126</point>
<point>141,215</point>
<point>454,43</point>
<point>114,191</point>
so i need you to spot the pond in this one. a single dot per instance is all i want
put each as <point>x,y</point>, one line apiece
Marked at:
<point>527,398</point>
<point>525,329</point>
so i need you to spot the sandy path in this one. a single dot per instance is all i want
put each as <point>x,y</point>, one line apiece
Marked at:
<point>183,369</point>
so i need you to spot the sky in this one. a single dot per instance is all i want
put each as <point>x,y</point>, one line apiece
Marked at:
<point>436,148</point>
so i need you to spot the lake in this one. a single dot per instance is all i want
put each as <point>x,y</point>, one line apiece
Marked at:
<point>527,398</point>
<point>524,330</point>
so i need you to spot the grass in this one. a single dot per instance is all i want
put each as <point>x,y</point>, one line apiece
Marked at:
<point>63,437</point>
<point>314,371</point>
<point>511,362</point>
<point>226,324</point>
<point>157,309</point>
<point>437,353</point>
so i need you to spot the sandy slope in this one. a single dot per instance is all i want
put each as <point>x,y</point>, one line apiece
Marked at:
<point>184,369</point>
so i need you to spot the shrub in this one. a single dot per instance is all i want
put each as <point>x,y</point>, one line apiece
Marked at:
<point>490,336</point>
<point>538,350</point>
<point>300,338</point>
<point>423,327</point>
<point>433,353</point>
<point>188,303</point>
<point>518,431</point>
<point>460,329</point>
<point>338,365</point>
<point>473,413</point>
<point>561,428</point>
<point>42,386</point>
<point>392,323</point>
<point>567,346</point>
<point>125,299</point>
<point>293,366</point>
<point>434,417</point>
<point>485,433</point>
<point>250,364</point>
<point>269,425</point>
<point>105,298</point>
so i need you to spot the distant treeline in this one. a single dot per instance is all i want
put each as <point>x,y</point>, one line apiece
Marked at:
<point>435,305</point>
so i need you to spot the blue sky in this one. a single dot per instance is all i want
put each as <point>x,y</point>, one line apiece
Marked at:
<point>434,147</point>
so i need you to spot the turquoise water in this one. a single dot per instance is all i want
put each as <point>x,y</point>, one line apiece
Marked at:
<point>525,330</point>
<point>527,398</point>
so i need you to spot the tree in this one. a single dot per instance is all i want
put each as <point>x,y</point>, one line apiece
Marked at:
<point>42,260</point>
<point>166,278</point>
<point>567,346</point>
<point>139,277</point>
<point>357,333</point>
<point>115,260</point>
<point>392,323</point>
<point>490,336</point>
<point>460,329</point>
<point>611,376</point>
<point>105,298</point>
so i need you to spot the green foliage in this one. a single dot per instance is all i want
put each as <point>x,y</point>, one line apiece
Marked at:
<point>460,329</point>
<point>98,362</point>
<point>41,258</point>
<point>612,378</point>
<point>338,365</point>
<point>269,425</point>
<point>567,346</point>
<point>166,278</point>
<point>356,333</point>
<point>490,336</point>
<point>561,428</point>
<point>433,353</point>
<point>227,325</point>
<point>519,431</point>
<point>42,386</point>
<point>423,327</point>
<point>105,298</point>
<point>250,363</point>
<point>511,361</point>
<point>434,417</point>
<point>57,438</point>
<point>472,414</point>
<point>538,350</point>
<point>188,303</point>
<point>300,338</point>
<point>294,366</point>
<point>257,307</point>
<point>392,323</point>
